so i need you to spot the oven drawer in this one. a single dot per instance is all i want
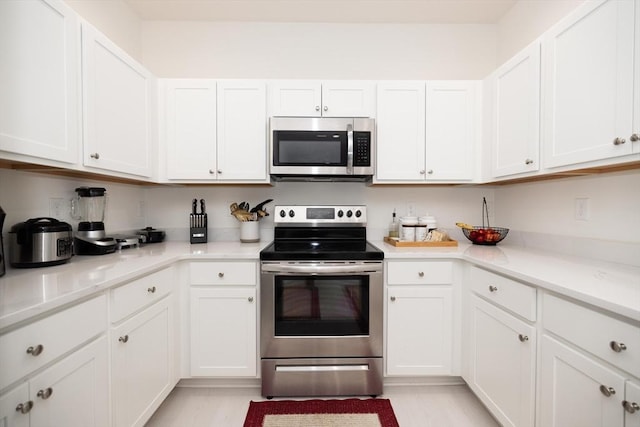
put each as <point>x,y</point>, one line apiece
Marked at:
<point>223,273</point>
<point>419,272</point>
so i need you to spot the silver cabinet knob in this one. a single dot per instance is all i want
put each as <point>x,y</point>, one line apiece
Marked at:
<point>630,407</point>
<point>635,137</point>
<point>325,108</point>
<point>250,299</point>
<point>45,394</point>
<point>528,161</point>
<point>35,351</point>
<point>619,141</point>
<point>212,172</point>
<point>392,299</point>
<point>421,273</point>
<point>430,171</point>
<point>422,172</point>
<point>25,407</point>
<point>317,108</point>
<point>523,338</point>
<point>151,290</point>
<point>221,275</point>
<point>493,288</point>
<point>124,339</point>
<point>94,155</point>
<point>617,346</point>
<point>219,171</point>
<point>607,391</point>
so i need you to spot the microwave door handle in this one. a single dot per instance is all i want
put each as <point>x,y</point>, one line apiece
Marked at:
<point>349,149</point>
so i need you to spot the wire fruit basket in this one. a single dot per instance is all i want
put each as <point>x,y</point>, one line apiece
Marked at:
<point>484,235</point>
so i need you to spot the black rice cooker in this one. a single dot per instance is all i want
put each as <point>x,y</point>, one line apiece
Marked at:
<point>40,242</point>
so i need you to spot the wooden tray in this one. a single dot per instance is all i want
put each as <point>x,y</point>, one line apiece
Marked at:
<point>401,244</point>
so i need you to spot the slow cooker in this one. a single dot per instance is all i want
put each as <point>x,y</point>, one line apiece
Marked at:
<point>40,242</point>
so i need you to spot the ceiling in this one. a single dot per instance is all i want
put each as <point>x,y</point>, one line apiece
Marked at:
<point>332,11</point>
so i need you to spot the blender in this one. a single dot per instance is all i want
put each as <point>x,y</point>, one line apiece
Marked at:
<point>89,207</point>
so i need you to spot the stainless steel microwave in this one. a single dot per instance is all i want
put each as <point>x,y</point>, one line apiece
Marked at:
<point>319,148</point>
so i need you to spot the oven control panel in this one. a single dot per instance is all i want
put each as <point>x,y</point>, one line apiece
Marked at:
<point>304,214</point>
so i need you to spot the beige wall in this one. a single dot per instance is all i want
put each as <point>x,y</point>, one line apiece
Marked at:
<point>526,21</point>
<point>322,51</point>
<point>115,19</point>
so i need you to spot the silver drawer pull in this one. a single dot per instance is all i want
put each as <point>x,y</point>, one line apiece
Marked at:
<point>617,346</point>
<point>94,155</point>
<point>630,407</point>
<point>607,391</point>
<point>250,299</point>
<point>35,351</point>
<point>392,299</point>
<point>45,394</point>
<point>619,141</point>
<point>221,275</point>
<point>421,273</point>
<point>151,290</point>
<point>493,288</point>
<point>523,338</point>
<point>24,408</point>
<point>124,338</point>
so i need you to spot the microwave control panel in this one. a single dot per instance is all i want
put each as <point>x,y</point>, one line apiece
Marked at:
<point>361,148</point>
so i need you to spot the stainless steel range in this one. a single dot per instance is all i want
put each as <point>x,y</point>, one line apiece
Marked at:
<point>321,304</point>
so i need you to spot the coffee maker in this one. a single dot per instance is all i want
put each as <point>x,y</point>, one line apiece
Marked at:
<point>89,207</point>
<point>2,262</point>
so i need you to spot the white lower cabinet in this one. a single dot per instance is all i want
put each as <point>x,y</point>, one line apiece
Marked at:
<point>502,363</point>
<point>141,353</point>
<point>577,390</point>
<point>73,392</point>
<point>224,332</point>
<point>631,404</point>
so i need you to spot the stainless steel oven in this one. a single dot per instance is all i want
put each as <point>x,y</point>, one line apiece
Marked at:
<point>321,305</point>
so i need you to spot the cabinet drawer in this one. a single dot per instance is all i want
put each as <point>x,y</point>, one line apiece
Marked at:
<point>510,294</point>
<point>223,273</point>
<point>26,349</point>
<point>595,332</point>
<point>419,272</point>
<point>129,298</point>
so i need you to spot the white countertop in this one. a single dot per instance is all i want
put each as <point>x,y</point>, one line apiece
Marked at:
<point>25,293</point>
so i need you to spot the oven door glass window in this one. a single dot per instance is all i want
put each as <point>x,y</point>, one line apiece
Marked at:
<point>309,148</point>
<point>321,305</point>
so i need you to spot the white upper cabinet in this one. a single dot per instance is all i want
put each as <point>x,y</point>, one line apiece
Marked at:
<point>190,125</point>
<point>515,86</point>
<point>451,133</point>
<point>118,104</point>
<point>242,130</point>
<point>309,98</point>
<point>588,83</point>
<point>39,80</point>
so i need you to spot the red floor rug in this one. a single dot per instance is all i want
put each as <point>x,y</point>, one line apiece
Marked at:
<point>321,413</point>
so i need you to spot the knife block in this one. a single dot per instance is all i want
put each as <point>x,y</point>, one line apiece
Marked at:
<point>198,228</point>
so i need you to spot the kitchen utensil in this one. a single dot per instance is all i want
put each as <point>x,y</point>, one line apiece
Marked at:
<point>198,222</point>
<point>40,242</point>
<point>89,207</point>
<point>151,235</point>
<point>484,235</point>
<point>2,256</point>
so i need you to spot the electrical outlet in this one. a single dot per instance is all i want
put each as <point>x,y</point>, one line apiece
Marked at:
<point>59,208</point>
<point>582,211</point>
<point>411,208</point>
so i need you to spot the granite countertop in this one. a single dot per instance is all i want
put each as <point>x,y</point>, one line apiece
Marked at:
<point>25,293</point>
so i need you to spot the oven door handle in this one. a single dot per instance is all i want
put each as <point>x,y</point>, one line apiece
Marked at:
<point>319,269</point>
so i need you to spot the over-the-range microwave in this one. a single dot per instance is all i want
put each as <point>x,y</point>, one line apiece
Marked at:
<point>319,148</point>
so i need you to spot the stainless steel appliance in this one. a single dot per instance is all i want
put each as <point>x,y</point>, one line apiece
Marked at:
<point>40,242</point>
<point>321,302</point>
<point>89,207</point>
<point>2,256</point>
<point>318,148</point>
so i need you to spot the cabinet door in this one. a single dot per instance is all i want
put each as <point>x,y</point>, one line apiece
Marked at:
<point>588,81</point>
<point>39,79</point>
<point>451,133</point>
<point>223,332</point>
<point>400,132</point>
<point>516,114</point>
<point>190,123</point>
<point>11,414</point>
<point>117,107</point>
<point>75,391</point>
<point>419,330</point>
<point>502,360</point>
<point>141,364</point>
<point>631,404</point>
<point>298,98</point>
<point>242,131</point>
<point>348,99</point>
<point>575,390</point>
